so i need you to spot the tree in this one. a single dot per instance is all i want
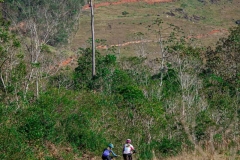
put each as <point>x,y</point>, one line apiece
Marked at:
<point>105,69</point>
<point>224,61</point>
<point>12,65</point>
<point>222,84</point>
<point>188,103</point>
<point>164,41</point>
<point>44,22</point>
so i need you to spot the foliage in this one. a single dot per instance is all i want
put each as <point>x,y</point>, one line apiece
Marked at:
<point>37,124</point>
<point>131,93</point>
<point>224,61</point>
<point>60,16</point>
<point>203,123</point>
<point>45,122</point>
<point>171,84</point>
<point>146,151</point>
<point>77,133</point>
<point>124,13</point>
<point>124,100</point>
<point>104,69</point>
<point>83,71</point>
<point>12,65</point>
<point>169,147</point>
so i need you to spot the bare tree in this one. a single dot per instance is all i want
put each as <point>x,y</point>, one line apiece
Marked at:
<point>11,66</point>
<point>189,103</point>
<point>166,35</point>
<point>45,23</point>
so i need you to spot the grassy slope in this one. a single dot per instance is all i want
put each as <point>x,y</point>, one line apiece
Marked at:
<point>112,26</point>
<point>117,29</point>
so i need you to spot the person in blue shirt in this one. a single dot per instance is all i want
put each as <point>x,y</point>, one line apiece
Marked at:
<point>107,151</point>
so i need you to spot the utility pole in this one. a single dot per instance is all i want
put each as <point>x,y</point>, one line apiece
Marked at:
<point>93,40</point>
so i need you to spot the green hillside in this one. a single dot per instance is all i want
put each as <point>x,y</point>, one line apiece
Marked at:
<point>195,18</point>
<point>167,77</point>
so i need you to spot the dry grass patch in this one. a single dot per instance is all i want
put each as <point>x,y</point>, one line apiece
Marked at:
<point>116,28</point>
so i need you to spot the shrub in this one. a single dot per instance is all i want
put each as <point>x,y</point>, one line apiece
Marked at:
<point>124,13</point>
<point>169,147</point>
<point>37,124</point>
<point>131,93</point>
<point>77,131</point>
<point>146,151</point>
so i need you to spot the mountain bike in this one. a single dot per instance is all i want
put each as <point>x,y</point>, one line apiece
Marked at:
<point>129,156</point>
<point>111,158</point>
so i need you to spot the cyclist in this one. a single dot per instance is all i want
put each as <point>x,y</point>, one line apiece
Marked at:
<point>128,150</point>
<point>107,151</point>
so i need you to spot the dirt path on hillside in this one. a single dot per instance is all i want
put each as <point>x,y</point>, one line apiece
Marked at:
<point>125,1</point>
<point>200,36</point>
<point>211,33</point>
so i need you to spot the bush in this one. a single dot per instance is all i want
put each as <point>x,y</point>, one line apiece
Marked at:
<point>146,151</point>
<point>131,93</point>
<point>37,124</point>
<point>169,147</point>
<point>13,144</point>
<point>124,13</point>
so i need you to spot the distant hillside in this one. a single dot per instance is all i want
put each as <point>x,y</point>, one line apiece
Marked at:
<point>117,22</point>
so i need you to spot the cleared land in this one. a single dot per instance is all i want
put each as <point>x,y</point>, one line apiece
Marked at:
<point>207,22</point>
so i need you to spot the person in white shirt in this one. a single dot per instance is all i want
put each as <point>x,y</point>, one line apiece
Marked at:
<point>128,150</point>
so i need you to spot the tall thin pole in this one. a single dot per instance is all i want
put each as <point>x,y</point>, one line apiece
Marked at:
<point>93,40</point>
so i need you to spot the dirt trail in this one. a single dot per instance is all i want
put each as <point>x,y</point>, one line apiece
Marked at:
<point>124,1</point>
<point>213,32</point>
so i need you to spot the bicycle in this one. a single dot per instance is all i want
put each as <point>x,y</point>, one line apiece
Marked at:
<point>129,156</point>
<point>111,158</point>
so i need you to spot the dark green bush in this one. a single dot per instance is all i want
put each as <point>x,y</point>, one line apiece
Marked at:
<point>37,124</point>
<point>146,151</point>
<point>169,147</point>
<point>125,13</point>
<point>77,131</point>
<point>131,93</point>
<point>13,144</point>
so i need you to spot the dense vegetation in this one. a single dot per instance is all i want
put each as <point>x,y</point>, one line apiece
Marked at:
<point>52,21</point>
<point>191,103</point>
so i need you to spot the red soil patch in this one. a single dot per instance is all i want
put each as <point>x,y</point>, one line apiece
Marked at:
<point>213,32</point>
<point>66,62</point>
<point>124,44</point>
<point>125,1</point>
<point>62,64</point>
